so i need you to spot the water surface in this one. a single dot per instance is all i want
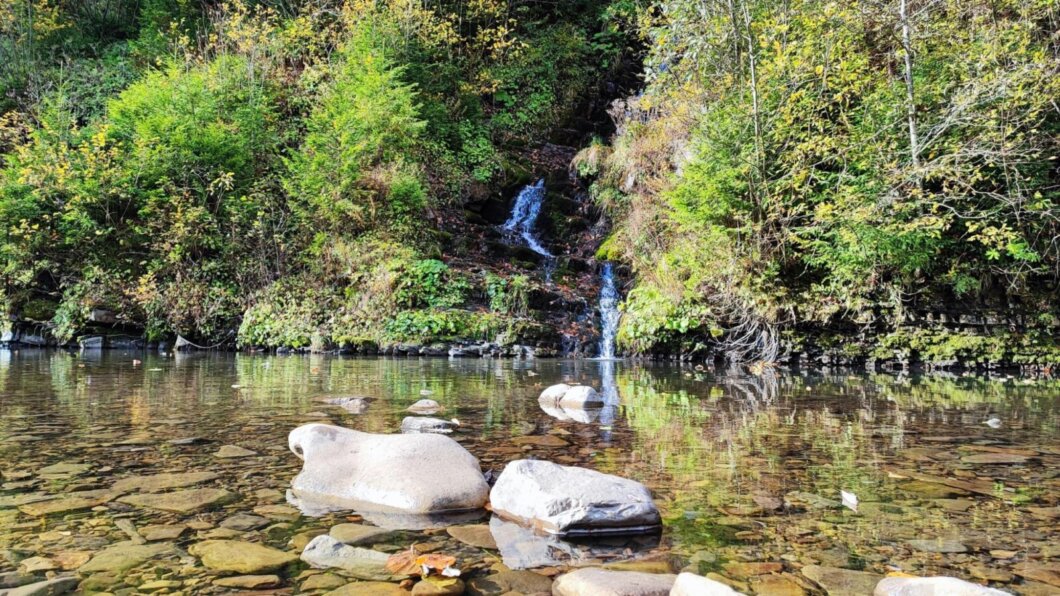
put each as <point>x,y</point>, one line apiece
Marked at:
<point>745,468</point>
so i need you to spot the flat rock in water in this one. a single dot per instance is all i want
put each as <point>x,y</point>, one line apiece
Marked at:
<point>423,424</point>
<point>358,534</point>
<point>439,586</point>
<point>936,545</point>
<point>65,504</point>
<point>244,522</point>
<point>932,586</point>
<point>124,556</point>
<point>478,535</point>
<point>157,482</point>
<point>540,441</point>
<point>369,589</point>
<point>601,582</point>
<point>412,474</point>
<point>1048,573</point>
<point>51,587</point>
<point>248,582</point>
<point>690,584</point>
<point>576,501</point>
<point>181,501</point>
<point>156,532</point>
<point>842,582</point>
<point>245,558</point>
<point>232,452</point>
<point>995,458</point>
<point>324,552</point>
<point>508,581</point>
<point>64,469</point>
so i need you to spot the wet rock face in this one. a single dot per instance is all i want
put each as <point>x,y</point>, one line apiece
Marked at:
<point>932,586</point>
<point>572,501</point>
<point>407,473</point>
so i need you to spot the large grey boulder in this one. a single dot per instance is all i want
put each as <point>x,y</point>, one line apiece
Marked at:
<point>566,500</point>
<point>416,473</point>
<point>568,396</point>
<point>932,586</point>
<point>690,584</point>
<point>602,582</point>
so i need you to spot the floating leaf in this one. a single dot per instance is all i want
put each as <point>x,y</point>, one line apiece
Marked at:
<point>403,563</point>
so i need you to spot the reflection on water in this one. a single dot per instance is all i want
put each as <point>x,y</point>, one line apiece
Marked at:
<point>743,467</point>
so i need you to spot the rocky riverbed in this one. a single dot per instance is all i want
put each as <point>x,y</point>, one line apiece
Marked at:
<point>171,475</point>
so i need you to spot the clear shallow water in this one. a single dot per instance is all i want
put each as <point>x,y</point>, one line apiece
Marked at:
<point>744,468</point>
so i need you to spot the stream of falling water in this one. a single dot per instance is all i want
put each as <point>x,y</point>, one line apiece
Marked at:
<point>525,211</point>
<point>609,313</point>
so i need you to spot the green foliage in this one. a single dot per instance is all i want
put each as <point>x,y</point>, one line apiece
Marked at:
<point>509,296</point>
<point>430,284</point>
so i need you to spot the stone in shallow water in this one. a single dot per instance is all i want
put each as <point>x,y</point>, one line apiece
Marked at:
<point>1048,573</point>
<point>64,469</point>
<point>540,441</point>
<point>157,482</point>
<point>358,534</point>
<point>477,535</point>
<point>995,459</point>
<point>842,582</point>
<point>51,587</point>
<point>419,473</point>
<point>278,512</point>
<point>236,556</point>
<point>124,556</point>
<point>425,406</point>
<point>439,586</point>
<point>932,586</point>
<point>233,451</point>
<point>181,501</point>
<point>507,581</point>
<point>244,522</point>
<point>325,552</point>
<point>600,582</point>
<point>423,424</point>
<point>576,501</point>
<point>369,589</point>
<point>66,504</point>
<point>938,545</point>
<point>248,582</point>
<point>689,584</point>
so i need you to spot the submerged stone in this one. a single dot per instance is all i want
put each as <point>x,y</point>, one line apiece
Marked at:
<point>241,557</point>
<point>938,545</point>
<point>425,406</point>
<point>157,482</point>
<point>422,424</point>
<point>248,582</point>
<point>842,582</point>
<point>182,501</point>
<point>418,473</point>
<point>359,534</point>
<point>369,589</point>
<point>51,587</point>
<point>124,556</point>
<point>324,552</point>
<point>572,501</point>
<point>233,452</point>
<point>476,535</point>
<point>601,582</point>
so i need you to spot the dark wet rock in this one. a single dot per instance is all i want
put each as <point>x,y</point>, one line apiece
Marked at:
<point>358,534</point>
<point>601,582</point>
<point>244,522</point>
<point>247,582</point>
<point>157,482</point>
<point>418,473</point>
<point>570,501</point>
<point>932,586</point>
<point>689,584</point>
<point>324,552</point>
<point>425,406</point>
<point>477,535</point>
<point>181,501</point>
<point>123,556</point>
<point>233,452</point>
<point>51,587</point>
<point>245,558</point>
<point>422,424</point>
<point>937,545</point>
<point>842,582</point>
<point>506,581</point>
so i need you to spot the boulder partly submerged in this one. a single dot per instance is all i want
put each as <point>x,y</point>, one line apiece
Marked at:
<point>404,473</point>
<point>932,586</point>
<point>602,582</point>
<point>570,396</point>
<point>570,501</point>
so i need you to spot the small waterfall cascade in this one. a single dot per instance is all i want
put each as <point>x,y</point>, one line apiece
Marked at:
<point>609,313</point>
<point>524,216</point>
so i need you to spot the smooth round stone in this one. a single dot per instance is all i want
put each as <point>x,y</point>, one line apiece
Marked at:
<point>323,581</point>
<point>689,584</point>
<point>932,586</point>
<point>601,582</point>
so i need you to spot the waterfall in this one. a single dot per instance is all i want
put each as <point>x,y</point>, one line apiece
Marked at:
<point>609,314</point>
<point>524,215</point>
